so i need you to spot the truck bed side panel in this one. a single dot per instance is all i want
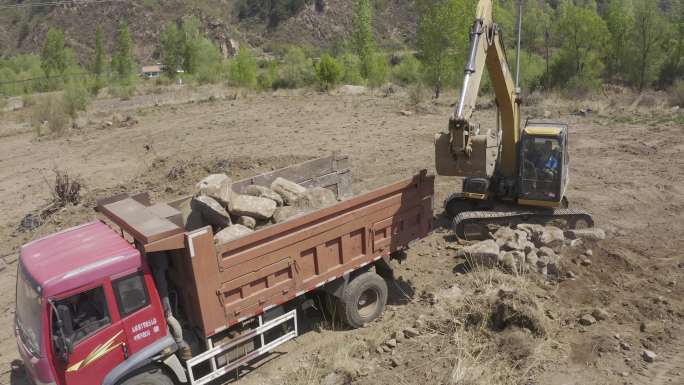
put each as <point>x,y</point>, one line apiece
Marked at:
<point>276,264</point>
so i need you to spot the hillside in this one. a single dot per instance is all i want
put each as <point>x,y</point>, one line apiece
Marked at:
<point>319,23</point>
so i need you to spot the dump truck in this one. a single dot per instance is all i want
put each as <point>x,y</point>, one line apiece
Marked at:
<point>134,297</point>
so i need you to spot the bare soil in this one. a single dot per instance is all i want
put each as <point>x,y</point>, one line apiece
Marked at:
<point>628,172</point>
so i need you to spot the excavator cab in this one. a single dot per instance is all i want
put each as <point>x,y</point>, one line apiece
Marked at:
<point>543,164</point>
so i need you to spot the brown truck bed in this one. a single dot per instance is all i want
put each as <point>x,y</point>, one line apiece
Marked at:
<point>225,284</point>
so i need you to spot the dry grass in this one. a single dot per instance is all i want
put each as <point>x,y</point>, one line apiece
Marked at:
<point>50,115</point>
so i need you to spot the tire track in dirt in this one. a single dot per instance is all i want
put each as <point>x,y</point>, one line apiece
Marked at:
<point>668,368</point>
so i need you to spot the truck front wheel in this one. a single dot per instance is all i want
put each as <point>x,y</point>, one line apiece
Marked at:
<point>363,300</point>
<point>149,377</point>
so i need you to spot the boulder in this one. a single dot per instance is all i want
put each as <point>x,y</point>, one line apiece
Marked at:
<point>213,184</point>
<point>248,222</point>
<point>531,260</point>
<point>592,234</point>
<point>485,253</point>
<point>290,191</point>
<point>264,192</point>
<point>231,233</point>
<point>211,210</point>
<point>255,207</point>
<point>281,214</point>
<point>546,252</point>
<point>550,236</point>
<point>317,198</point>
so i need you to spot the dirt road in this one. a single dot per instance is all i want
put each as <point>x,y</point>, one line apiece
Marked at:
<point>629,175</point>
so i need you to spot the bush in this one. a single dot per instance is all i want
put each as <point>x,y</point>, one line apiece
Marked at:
<point>351,69</point>
<point>417,93</point>
<point>408,71</point>
<point>266,78</point>
<point>51,113</point>
<point>298,70</point>
<point>243,69</point>
<point>677,93</point>
<point>75,97</point>
<point>377,70</point>
<point>208,67</point>
<point>122,90</point>
<point>328,71</point>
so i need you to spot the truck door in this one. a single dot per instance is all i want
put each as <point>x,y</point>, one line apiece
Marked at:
<point>140,313</point>
<point>97,339</point>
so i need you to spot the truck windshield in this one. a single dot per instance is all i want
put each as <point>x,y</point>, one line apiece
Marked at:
<point>28,313</point>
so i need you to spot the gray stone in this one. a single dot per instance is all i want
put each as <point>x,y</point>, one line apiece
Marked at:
<point>290,191</point>
<point>575,243</point>
<point>212,212</point>
<point>281,214</point>
<point>592,234</point>
<point>317,198</point>
<point>586,262</point>
<point>529,228</point>
<point>394,361</point>
<point>589,253</point>
<point>485,253</point>
<point>231,233</point>
<point>335,378</point>
<point>264,192</point>
<point>248,222</point>
<point>411,332</point>
<point>546,252</point>
<point>548,236</point>
<point>625,346</point>
<point>255,207</point>
<point>392,343</point>
<point>648,355</point>
<point>213,185</point>
<point>587,320</point>
<point>600,314</point>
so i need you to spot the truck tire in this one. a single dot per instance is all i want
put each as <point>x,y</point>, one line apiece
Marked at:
<point>149,377</point>
<point>363,300</point>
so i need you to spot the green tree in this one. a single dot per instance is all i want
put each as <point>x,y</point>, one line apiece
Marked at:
<point>443,39</point>
<point>351,69</point>
<point>620,22</point>
<point>377,70</point>
<point>673,66</point>
<point>99,60</point>
<point>192,44</point>
<point>297,70</point>
<point>122,62</point>
<point>363,42</point>
<point>243,69</point>
<point>172,49</point>
<point>54,56</point>
<point>328,71</point>
<point>647,35</point>
<point>583,36</point>
<point>408,71</point>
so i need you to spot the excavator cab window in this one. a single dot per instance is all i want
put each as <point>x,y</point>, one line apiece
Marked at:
<point>542,159</point>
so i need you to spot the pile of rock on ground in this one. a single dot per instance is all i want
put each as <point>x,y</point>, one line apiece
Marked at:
<point>235,214</point>
<point>531,248</point>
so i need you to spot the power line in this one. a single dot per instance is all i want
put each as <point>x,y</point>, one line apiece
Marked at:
<point>56,3</point>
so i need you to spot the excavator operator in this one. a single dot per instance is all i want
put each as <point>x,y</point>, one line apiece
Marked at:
<point>547,163</point>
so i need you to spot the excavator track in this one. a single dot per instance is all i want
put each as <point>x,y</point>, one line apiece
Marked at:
<point>478,224</point>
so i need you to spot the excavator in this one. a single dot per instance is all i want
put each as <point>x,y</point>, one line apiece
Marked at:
<point>510,175</point>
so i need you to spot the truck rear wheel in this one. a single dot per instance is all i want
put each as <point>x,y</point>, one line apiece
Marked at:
<point>150,377</point>
<point>363,300</point>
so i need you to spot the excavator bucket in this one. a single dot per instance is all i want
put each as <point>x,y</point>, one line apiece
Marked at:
<point>480,163</point>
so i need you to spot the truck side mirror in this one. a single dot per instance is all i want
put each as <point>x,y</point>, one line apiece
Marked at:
<point>62,341</point>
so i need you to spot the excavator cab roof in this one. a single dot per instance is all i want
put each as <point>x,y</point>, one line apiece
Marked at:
<point>544,129</point>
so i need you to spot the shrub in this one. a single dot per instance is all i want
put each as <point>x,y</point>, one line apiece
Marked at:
<point>50,112</point>
<point>298,70</point>
<point>328,71</point>
<point>266,78</point>
<point>122,90</point>
<point>351,69</point>
<point>417,93</point>
<point>243,69</point>
<point>377,70</point>
<point>75,97</point>
<point>677,93</point>
<point>408,71</point>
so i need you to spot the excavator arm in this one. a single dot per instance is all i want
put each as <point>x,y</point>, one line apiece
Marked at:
<point>464,150</point>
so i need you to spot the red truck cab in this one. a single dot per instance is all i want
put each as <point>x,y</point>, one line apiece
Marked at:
<point>86,307</point>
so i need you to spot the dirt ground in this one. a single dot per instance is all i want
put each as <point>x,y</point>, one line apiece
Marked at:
<point>627,169</point>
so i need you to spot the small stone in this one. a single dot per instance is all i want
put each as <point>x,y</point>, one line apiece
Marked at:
<point>379,350</point>
<point>248,222</point>
<point>587,320</point>
<point>672,283</point>
<point>589,253</point>
<point>600,314</point>
<point>586,262</point>
<point>648,356</point>
<point>411,332</point>
<point>625,346</point>
<point>575,243</point>
<point>624,374</point>
<point>386,349</point>
<point>394,362</point>
<point>406,112</point>
<point>571,275</point>
<point>334,378</point>
<point>591,234</point>
<point>392,343</point>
